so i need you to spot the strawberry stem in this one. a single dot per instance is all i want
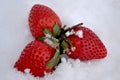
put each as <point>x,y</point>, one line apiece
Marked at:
<point>69,29</point>
<point>60,40</point>
<point>64,26</point>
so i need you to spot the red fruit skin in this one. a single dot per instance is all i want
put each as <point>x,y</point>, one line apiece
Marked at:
<point>35,57</point>
<point>41,17</point>
<point>89,47</point>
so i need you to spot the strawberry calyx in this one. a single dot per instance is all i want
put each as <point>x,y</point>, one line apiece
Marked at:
<point>59,41</point>
<point>54,60</point>
<point>49,37</point>
<point>65,42</point>
<point>56,30</point>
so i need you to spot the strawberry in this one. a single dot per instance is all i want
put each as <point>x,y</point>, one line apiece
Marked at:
<point>87,47</point>
<point>41,17</point>
<point>37,56</point>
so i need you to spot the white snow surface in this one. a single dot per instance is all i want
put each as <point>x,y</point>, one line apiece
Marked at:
<point>102,16</point>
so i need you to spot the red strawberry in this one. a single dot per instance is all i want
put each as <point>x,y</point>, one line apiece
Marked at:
<point>87,48</point>
<point>35,57</point>
<point>41,17</point>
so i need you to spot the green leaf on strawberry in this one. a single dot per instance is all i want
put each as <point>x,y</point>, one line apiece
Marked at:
<point>41,38</point>
<point>69,42</point>
<point>56,30</point>
<point>46,31</point>
<point>64,45</point>
<point>54,61</point>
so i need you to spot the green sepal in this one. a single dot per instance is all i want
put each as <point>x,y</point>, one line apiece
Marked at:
<point>46,31</point>
<point>56,30</point>
<point>69,42</point>
<point>40,38</point>
<point>64,45</point>
<point>54,61</point>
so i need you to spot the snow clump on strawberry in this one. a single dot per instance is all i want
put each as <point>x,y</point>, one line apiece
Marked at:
<point>49,42</point>
<point>72,32</point>
<point>79,34</point>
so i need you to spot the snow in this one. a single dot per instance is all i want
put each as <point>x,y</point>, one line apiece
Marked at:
<point>73,48</point>
<point>102,16</point>
<point>49,42</point>
<point>47,39</point>
<point>72,32</point>
<point>79,33</point>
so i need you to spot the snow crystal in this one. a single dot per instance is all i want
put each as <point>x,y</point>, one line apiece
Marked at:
<point>79,33</point>
<point>73,48</point>
<point>70,33</point>
<point>48,41</point>
<point>48,35</point>
<point>27,70</point>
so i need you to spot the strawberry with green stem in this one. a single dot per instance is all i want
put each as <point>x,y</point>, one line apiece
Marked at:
<point>87,47</point>
<point>41,17</point>
<point>39,56</point>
